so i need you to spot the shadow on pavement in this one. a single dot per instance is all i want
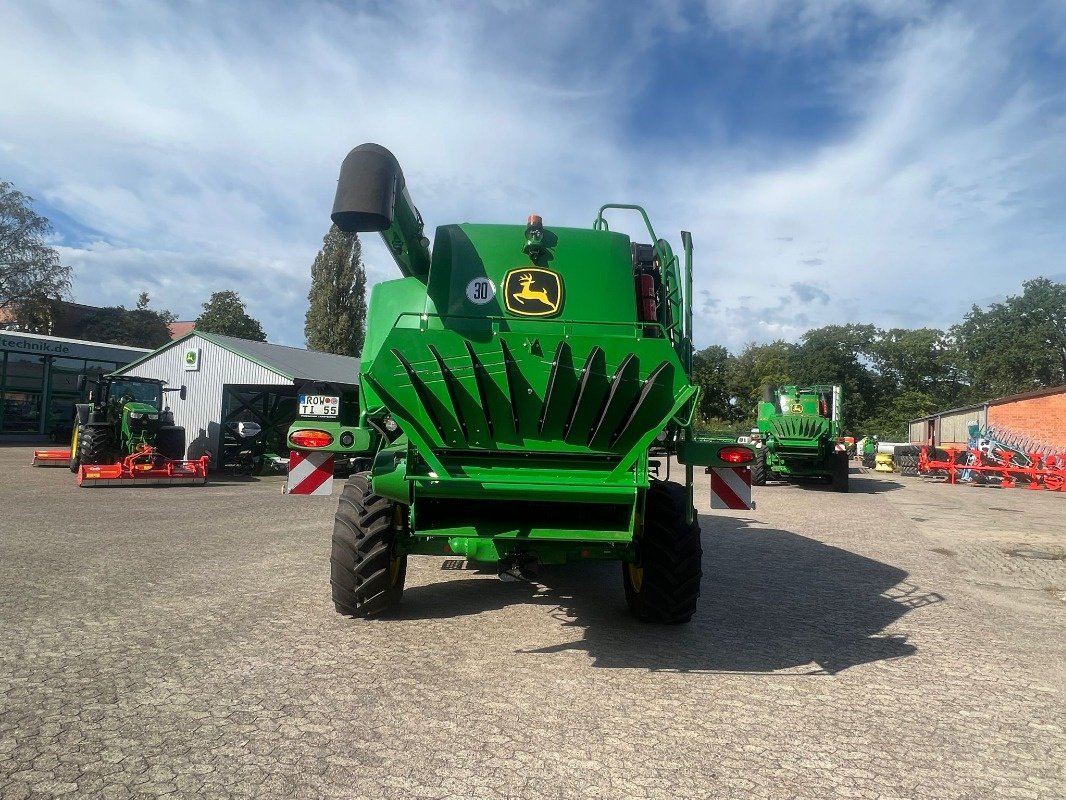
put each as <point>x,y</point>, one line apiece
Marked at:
<point>772,600</point>
<point>862,485</point>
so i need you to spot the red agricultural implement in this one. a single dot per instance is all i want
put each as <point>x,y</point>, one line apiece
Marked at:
<point>145,467</point>
<point>50,458</point>
<point>1007,469</point>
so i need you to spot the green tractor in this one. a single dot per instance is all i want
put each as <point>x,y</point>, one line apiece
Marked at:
<point>126,432</point>
<point>511,385</point>
<point>798,431</point>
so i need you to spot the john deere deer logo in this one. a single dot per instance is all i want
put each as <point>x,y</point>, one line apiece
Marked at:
<point>533,292</point>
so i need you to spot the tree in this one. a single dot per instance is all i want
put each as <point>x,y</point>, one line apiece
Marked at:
<point>1019,344</point>
<point>758,365</point>
<point>840,354</point>
<point>140,327</point>
<point>29,268</point>
<point>710,371</point>
<point>336,314</point>
<point>224,313</point>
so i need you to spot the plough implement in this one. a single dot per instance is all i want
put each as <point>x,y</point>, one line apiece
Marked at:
<point>146,467</point>
<point>995,466</point>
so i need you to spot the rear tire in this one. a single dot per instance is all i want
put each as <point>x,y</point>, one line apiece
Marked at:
<point>839,477</point>
<point>758,468</point>
<point>663,586</point>
<point>74,441</point>
<point>366,575</point>
<point>94,446</point>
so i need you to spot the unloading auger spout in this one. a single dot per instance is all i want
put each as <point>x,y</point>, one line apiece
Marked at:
<point>372,196</point>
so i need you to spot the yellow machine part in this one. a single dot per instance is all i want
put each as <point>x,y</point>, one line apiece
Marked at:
<point>883,463</point>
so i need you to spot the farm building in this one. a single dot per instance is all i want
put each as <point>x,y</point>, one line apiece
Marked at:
<point>1038,416</point>
<point>232,380</point>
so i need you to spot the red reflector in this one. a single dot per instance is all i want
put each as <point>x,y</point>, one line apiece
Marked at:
<point>736,455</point>
<point>311,438</point>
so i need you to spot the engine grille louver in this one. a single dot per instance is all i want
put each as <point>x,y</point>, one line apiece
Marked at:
<point>487,395</point>
<point>800,427</point>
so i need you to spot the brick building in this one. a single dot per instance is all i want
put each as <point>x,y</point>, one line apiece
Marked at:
<point>1039,416</point>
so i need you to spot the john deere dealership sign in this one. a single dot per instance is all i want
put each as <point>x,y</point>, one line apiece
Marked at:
<point>192,359</point>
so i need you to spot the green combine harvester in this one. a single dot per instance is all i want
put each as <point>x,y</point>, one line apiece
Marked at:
<point>511,385</point>
<point>798,431</point>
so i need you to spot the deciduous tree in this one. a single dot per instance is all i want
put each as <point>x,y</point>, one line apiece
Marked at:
<point>30,271</point>
<point>336,314</point>
<point>224,313</point>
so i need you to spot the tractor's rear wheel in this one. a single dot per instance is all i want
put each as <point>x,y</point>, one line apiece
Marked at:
<point>758,468</point>
<point>94,445</point>
<point>74,438</point>
<point>663,585</point>
<point>366,574</point>
<point>841,468</point>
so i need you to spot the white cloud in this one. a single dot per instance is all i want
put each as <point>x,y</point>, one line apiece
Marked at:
<point>941,192</point>
<point>201,143</point>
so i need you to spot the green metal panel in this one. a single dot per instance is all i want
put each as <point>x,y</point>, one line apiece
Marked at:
<point>595,267</point>
<point>518,385</point>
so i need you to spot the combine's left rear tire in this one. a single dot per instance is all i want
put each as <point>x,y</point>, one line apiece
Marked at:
<point>366,574</point>
<point>664,585</point>
<point>839,477</point>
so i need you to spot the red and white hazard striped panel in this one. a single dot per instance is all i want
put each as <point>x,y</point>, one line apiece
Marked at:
<point>310,473</point>
<point>731,488</point>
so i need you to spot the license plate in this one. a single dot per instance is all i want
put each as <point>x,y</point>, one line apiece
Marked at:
<point>319,405</point>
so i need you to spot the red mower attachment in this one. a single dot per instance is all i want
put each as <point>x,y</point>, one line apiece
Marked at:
<point>50,458</point>
<point>146,467</point>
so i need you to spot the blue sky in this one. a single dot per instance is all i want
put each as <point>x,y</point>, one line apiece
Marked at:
<point>886,161</point>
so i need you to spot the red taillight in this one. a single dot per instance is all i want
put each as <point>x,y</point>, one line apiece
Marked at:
<point>736,455</point>
<point>646,299</point>
<point>311,438</point>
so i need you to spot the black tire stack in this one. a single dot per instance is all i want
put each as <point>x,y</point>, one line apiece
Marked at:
<point>905,459</point>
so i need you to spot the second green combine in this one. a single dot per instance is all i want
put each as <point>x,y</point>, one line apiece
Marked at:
<point>798,428</point>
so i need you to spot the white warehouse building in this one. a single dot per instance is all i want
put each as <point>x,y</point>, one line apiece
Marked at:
<point>230,380</point>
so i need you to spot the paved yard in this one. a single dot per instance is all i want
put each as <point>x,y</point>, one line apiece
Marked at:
<point>903,641</point>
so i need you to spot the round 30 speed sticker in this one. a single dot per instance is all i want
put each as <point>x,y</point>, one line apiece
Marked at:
<point>480,291</point>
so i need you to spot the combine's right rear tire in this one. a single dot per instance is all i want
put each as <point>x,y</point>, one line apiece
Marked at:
<point>841,468</point>
<point>758,468</point>
<point>664,585</point>
<point>366,574</point>
<point>93,445</point>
